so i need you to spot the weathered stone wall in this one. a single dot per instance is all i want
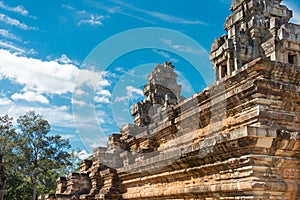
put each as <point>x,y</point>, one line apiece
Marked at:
<point>252,154</point>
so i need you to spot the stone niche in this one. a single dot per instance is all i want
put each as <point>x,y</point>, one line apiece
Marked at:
<point>237,139</point>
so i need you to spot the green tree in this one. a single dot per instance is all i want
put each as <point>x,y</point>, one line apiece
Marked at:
<point>7,135</point>
<point>40,154</point>
<point>16,186</point>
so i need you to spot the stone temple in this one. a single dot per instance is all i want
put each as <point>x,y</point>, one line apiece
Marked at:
<point>237,139</point>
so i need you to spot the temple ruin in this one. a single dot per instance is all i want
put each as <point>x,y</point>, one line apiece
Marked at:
<point>237,139</point>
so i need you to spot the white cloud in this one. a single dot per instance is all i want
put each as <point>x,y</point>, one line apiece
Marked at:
<point>100,5</point>
<point>159,15</point>
<point>131,93</point>
<point>172,19</point>
<point>122,99</point>
<point>11,47</point>
<point>131,72</point>
<point>78,102</point>
<point>30,52</point>
<point>136,17</point>
<point>181,48</point>
<point>102,99</point>
<point>83,13</point>
<point>120,69</point>
<point>116,9</point>
<point>18,9</point>
<point>30,97</point>
<point>6,34</point>
<point>68,136</point>
<point>84,17</point>
<point>14,48</point>
<point>166,55</point>
<point>5,101</point>
<point>104,93</point>
<point>37,75</point>
<point>79,92</point>
<point>46,77</point>
<point>95,145</point>
<point>93,21</point>
<point>14,22</point>
<point>82,154</point>
<point>56,115</point>
<point>134,91</point>
<point>88,121</point>
<point>92,78</point>
<point>68,7</point>
<point>186,86</point>
<point>63,59</point>
<point>102,96</point>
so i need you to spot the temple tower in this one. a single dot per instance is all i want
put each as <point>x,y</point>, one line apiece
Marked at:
<point>256,29</point>
<point>161,91</point>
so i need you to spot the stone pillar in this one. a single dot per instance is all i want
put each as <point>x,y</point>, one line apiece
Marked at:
<point>220,72</point>
<point>85,165</point>
<point>112,186</point>
<point>77,184</point>
<point>237,61</point>
<point>61,183</point>
<point>96,178</point>
<point>217,72</point>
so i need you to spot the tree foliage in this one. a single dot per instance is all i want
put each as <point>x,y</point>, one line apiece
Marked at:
<point>36,157</point>
<point>6,134</point>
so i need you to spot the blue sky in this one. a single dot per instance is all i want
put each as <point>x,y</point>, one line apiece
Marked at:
<point>44,45</point>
